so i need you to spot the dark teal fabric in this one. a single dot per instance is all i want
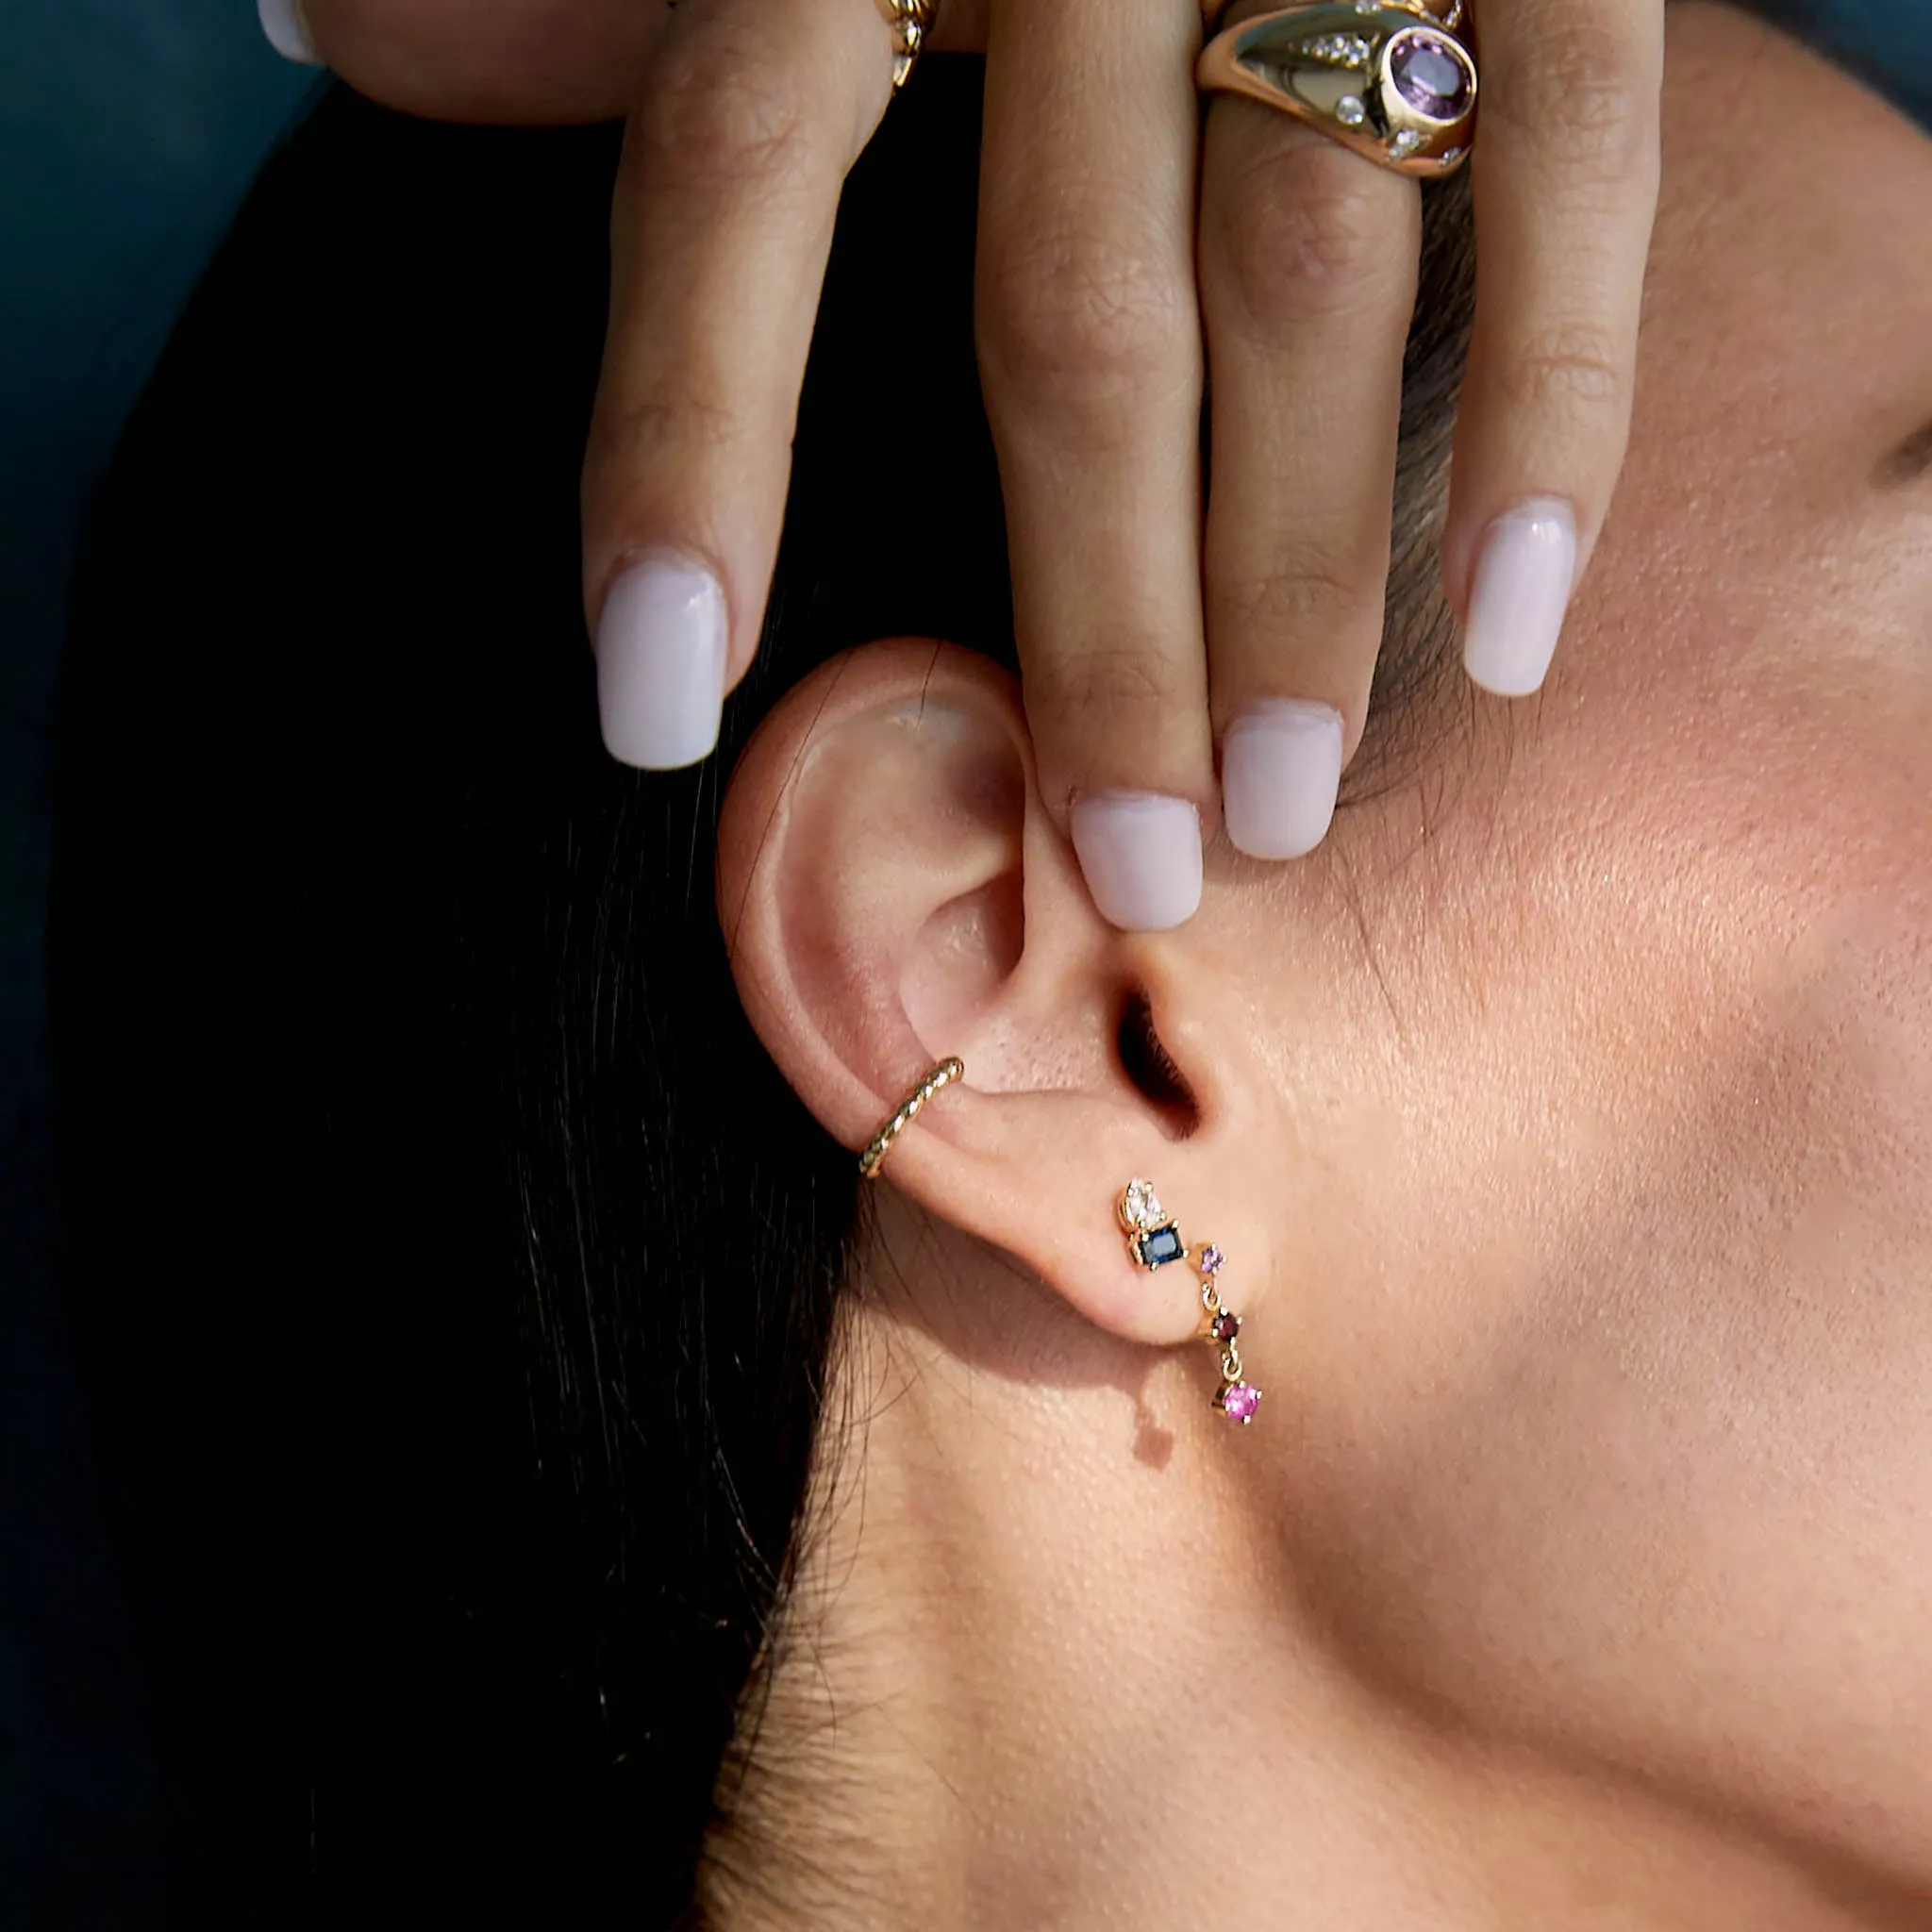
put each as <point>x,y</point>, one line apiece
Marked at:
<point>1890,39</point>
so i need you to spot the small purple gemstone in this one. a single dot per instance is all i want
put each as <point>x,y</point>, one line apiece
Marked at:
<point>1227,1325</point>
<point>1211,1258</point>
<point>1427,75</point>
<point>1240,1400</point>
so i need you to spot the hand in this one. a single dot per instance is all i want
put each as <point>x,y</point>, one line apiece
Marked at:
<point>744,116</point>
<point>1308,282</point>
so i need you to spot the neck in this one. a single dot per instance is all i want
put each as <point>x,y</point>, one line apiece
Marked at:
<point>1050,1661</point>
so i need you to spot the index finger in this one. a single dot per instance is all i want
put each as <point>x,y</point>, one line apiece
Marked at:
<point>527,61</point>
<point>751,111</point>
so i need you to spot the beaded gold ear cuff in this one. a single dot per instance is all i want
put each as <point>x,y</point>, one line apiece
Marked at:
<point>1153,1241</point>
<point>904,1114</point>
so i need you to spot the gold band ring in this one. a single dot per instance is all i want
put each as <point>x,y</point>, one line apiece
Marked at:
<point>911,22</point>
<point>904,1114</point>
<point>1385,77</point>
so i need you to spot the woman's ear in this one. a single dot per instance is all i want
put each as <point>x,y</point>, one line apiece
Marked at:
<point>893,893</point>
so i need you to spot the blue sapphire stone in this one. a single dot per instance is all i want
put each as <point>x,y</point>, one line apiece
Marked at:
<point>1160,1245</point>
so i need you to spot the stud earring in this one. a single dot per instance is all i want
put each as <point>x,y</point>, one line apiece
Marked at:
<point>1153,1241</point>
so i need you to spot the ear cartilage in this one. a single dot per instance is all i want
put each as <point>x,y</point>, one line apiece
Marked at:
<point>1154,1239</point>
<point>904,1114</point>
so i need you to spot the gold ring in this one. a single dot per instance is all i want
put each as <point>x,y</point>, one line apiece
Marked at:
<point>904,1114</point>
<point>911,22</point>
<point>1385,77</point>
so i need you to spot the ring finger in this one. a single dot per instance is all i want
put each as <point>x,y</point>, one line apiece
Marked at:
<point>1307,275</point>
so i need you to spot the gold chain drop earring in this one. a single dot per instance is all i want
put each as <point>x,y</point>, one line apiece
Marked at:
<point>1153,1241</point>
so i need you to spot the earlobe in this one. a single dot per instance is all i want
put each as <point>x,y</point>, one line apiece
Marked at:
<point>893,892</point>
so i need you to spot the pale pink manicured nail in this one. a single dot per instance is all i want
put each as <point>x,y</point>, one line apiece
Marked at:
<point>1517,598</point>
<point>288,31</point>
<point>660,664</point>
<point>1280,770</point>
<point>1141,853</point>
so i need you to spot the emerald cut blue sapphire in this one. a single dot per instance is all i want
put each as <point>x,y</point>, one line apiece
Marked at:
<point>1158,1245</point>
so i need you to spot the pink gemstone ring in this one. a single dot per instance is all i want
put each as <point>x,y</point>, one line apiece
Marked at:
<point>1389,78</point>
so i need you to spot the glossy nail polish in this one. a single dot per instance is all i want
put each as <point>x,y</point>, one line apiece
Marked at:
<point>286,29</point>
<point>1141,853</point>
<point>1280,770</point>
<point>660,663</point>
<point>1518,596</point>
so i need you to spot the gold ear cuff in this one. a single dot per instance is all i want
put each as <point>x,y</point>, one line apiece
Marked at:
<point>904,1114</point>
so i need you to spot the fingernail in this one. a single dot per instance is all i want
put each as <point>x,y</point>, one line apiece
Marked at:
<point>288,31</point>
<point>1280,770</point>
<point>1518,596</point>
<point>660,664</point>
<point>1141,853</point>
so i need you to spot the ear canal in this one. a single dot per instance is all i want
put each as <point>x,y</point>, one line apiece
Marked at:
<point>1153,1070</point>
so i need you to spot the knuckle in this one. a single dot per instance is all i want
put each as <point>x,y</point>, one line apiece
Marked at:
<point>1570,374</point>
<point>1305,230</point>
<point>1305,599</point>
<point>1100,691</point>
<point>663,432</point>
<point>1576,88</point>
<point>1069,315</point>
<point>717,115</point>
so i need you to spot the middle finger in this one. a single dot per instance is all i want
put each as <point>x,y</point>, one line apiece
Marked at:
<point>1308,261</point>
<point>1090,362</point>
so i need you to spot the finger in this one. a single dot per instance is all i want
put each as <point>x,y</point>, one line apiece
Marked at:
<point>1090,362</point>
<point>1308,282</point>
<point>506,60</point>
<point>751,113</point>
<point>1565,184</point>
<point>510,60</point>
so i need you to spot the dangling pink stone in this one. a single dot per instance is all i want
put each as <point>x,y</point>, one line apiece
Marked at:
<point>1240,1400</point>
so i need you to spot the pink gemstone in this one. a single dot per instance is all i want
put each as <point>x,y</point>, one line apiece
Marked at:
<point>1427,75</point>
<point>1240,1401</point>
<point>1211,1258</point>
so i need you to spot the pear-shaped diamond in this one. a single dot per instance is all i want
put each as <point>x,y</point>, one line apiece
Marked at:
<point>1141,1206</point>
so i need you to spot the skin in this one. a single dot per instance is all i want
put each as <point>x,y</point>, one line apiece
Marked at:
<point>1132,247</point>
<point>1568,1125</point>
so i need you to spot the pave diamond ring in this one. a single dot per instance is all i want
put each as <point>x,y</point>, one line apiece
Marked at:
<point>1389,78</point>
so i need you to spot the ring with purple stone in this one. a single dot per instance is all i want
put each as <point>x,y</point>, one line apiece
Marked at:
<point>1153,1241</point>
<point>1388,78</point>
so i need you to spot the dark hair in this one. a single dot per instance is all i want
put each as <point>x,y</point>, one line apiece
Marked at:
<point>455,1271</point>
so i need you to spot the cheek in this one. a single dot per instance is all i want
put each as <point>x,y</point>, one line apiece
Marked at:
<point>1622,1449</point>
<point>1659,1492</point>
